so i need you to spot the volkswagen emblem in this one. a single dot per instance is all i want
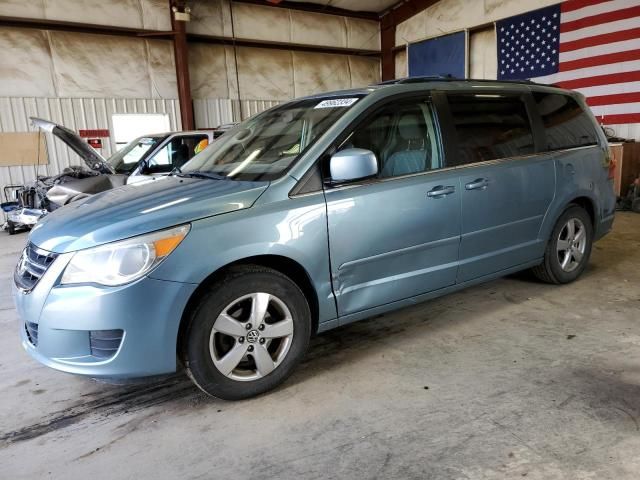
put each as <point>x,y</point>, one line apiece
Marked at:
<point>252,336</point>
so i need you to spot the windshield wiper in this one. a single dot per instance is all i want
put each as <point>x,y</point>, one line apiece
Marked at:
<point>199,174</point>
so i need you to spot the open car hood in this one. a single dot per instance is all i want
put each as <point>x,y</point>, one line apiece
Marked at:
<point>91,158</point>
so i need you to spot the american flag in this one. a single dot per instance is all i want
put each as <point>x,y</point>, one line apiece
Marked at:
<point>592,46</point>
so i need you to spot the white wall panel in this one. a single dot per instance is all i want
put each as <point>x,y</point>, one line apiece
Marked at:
<point>213,17</point>
<point>25,63</point>
<point>210,17</point>
<point>401,64</point>
<point>76,114</point>
<point>263,22</point>
<point>148,14</point>
<point>265,73</point>
<point>326,30</point>
<point>483,57</point>
<point>48,64</point>
<point>363,34</point>
<point>274,74</point>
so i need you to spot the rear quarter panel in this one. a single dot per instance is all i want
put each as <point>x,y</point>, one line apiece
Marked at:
<point>581,172</point>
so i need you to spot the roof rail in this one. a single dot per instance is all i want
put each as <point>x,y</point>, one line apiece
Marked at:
<point>449,78</point>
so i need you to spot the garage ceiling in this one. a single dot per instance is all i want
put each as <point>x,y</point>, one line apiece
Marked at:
<point>376,6</point>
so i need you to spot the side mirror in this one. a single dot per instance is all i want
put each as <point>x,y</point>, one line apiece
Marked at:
<point>353,164</point>
<point>144,168</point>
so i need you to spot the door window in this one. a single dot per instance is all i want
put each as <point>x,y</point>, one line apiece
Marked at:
<point>566,124</point>
<point>176,153</point>
<point>490,127</point>
<point>402,136</point>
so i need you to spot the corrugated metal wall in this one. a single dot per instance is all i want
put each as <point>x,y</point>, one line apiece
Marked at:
<point>74,113</point>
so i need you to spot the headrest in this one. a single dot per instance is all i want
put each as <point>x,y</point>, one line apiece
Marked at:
<point>183,149</point>
<point>409,126</point>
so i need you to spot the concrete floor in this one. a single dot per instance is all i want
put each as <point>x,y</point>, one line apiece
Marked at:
<point>507,380</point>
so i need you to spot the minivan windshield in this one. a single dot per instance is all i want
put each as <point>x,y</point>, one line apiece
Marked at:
<point>265,146</point>
<point>126,160</point>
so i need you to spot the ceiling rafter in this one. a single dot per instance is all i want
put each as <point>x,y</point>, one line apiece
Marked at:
<point>314,8</point>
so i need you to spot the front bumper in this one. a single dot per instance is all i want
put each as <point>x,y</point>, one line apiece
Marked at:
<point>147,311</point>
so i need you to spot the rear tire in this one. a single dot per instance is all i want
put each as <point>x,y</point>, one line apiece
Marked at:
<point>247,334</point>
<point>11,227</point>
<point>568,249</point>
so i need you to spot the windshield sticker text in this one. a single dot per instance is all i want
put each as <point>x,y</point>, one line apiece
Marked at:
<point>336,102</point>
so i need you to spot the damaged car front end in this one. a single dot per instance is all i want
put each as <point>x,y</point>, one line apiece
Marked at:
<point>24,205</point>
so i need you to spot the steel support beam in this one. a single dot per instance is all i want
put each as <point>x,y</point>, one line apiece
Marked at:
<point>181,53</point>
<point>389,20</point>
<point>297,47</point>
<point>62,26</point>
<point>387,43</point>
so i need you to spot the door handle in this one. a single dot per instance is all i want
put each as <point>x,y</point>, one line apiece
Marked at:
<point>478,184</point>
<point>441,191</point>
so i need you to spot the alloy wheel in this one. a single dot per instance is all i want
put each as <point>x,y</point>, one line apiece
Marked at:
<point>571,244</point>
<point>251,336</point>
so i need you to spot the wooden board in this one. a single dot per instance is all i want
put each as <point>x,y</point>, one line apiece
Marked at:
<point>22,148</point>
<point>616,153</point>
<point>628,167</point>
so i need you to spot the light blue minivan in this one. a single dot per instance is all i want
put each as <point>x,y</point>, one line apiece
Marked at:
<point>319,212</point>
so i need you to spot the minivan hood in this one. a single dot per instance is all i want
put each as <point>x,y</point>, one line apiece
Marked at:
<point>91,158</point>
<point>140,208</point>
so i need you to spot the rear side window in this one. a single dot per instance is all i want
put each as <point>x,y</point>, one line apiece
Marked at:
<point>490,127</point>
<point>566,124</point>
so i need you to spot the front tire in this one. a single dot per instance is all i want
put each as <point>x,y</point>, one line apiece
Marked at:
<point>247,334</point>
<point>569,247</point>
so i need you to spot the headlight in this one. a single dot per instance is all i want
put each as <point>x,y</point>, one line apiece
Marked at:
<point>125,261</point>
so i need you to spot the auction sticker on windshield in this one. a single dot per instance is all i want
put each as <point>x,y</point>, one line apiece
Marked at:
<point>336,102</point>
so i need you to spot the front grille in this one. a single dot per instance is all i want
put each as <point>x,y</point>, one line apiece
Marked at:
<point>105,343</point>
<point>32,333</point>
<point>32,265</point>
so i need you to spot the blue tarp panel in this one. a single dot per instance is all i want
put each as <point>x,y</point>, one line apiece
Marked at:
<point>438,56</point>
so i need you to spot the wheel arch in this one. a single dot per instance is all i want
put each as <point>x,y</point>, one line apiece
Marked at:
<point>285,265</point>
<point>588,204</point>
<point>582,199</point>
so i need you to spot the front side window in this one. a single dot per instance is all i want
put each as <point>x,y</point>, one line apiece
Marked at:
<point>265,146</point>
<point>403,136</point>
<point>566,124</point>
<point>490,127</point>
<point>126,160</point>
<point>175,153</point>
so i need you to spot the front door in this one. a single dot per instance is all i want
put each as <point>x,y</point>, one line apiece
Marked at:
<point>506,188</point>
<point>395,236</point>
